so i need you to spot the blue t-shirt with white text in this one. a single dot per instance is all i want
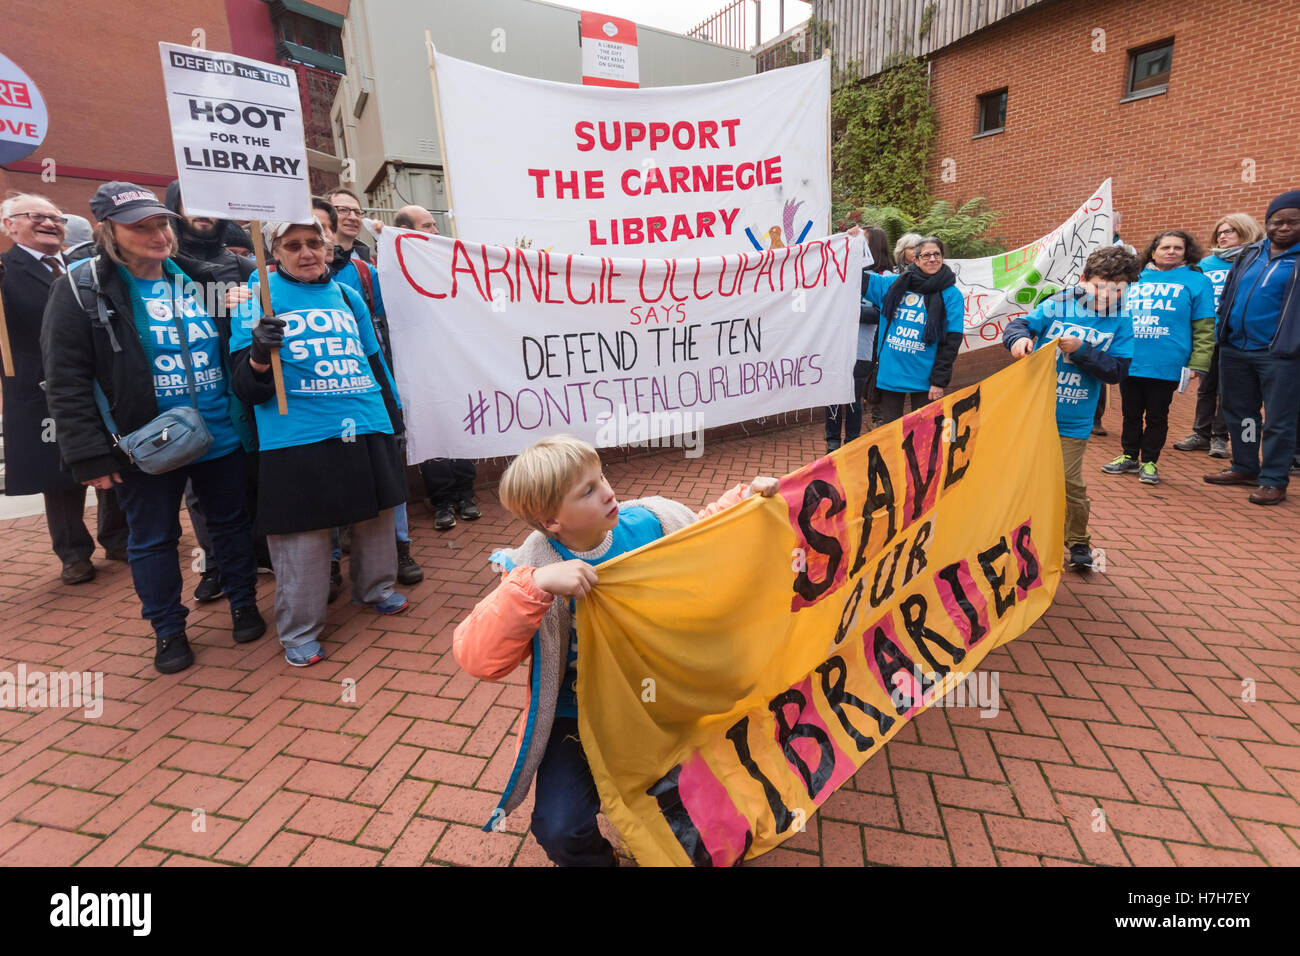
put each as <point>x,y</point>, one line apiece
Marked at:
<point>1216,270</point>
<point>169,373</point>
<point>905,360</point>
<point>1077,391</point>
<point>329,385</point>
<point>1164,303</point>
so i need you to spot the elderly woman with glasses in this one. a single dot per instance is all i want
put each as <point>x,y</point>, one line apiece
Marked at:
<point>922,315</point>
<point>333,459</point>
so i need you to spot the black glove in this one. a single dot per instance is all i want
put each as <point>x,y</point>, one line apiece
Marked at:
<point>268,336</point>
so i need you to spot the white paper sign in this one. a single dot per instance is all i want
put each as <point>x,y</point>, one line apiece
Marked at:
<point>700,170</point>
<point>496,346</point>
<point>24,120</point>
<point>238,134</point>
<point>1005,287</point>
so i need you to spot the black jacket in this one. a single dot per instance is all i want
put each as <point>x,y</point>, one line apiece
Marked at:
<point>79,351</point>
<point>227,266</point>
<point>31,464</point>
<point>1286,340</point>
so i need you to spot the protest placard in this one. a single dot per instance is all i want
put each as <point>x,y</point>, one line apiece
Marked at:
<point>497,346</point>
<point>238,135</point>
<point>696,170</point>
<point>1004,287</point>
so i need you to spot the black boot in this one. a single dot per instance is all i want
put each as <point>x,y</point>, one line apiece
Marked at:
<point>468,509</point>
<point>408,572</point>
<point>444,518</point>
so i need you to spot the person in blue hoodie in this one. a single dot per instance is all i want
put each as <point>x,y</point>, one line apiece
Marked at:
<point>332,460</point>
<point>1259,359</point>
<point>922,318</point>
<point>1172,305</point>
<point>1094,339</point>
<point>1230,235</point>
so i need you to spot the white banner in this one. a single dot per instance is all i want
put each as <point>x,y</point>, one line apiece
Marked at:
<point>700,170</point>
<point>1005,287</point>
<point>496,347</point>
<point>238,135</point>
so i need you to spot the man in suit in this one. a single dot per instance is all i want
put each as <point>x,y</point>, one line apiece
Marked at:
<point>32,463</point>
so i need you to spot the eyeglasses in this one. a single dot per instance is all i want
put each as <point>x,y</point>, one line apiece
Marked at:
<point>39,217</point>
<point>1225,232</point>
<point>348,210</point>
<point>930,255</point>
<point>293,247</point>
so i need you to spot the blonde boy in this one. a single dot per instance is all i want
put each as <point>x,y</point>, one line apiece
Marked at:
<point>558,487</point>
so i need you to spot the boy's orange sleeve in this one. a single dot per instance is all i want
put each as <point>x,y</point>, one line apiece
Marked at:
<point>497,636</point>
<point>726,501</point>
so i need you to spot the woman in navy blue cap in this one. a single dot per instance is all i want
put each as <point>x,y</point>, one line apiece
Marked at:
<point>116,323</point>
<point>1259,355</point>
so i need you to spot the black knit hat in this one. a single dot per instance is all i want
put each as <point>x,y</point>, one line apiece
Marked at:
<point>1289,200</point>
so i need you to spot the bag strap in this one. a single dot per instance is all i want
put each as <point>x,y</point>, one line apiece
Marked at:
<point>191,378</point>
<point>363,274</point>
<point>101,400</point>
<point>87,285</point>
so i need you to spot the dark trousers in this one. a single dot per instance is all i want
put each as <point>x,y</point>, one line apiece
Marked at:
<point>1147,398</point>
<point>848,416</point>
<point>261,552</point>
<point>1101,404</point>
<point>1209,422</point>
<point>448,481</point>
<point>152,505</point>
<point>1249,381</point>
<point>891,403</point>
<point>566,802</point>
<point>68,534</point>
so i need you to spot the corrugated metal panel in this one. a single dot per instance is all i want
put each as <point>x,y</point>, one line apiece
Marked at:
<point>869,32</point>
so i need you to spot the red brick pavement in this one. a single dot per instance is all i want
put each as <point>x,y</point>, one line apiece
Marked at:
<point>1126,698</point>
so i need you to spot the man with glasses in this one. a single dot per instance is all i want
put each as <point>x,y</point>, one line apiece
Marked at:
<point>1259,355</point>
<point>348,235</point>
<point>32,464</point>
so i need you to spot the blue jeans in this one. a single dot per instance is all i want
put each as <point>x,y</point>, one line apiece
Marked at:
<point>401,523</point>
<point>1247,381</point>
<point>566,803</point>
<point>152,506</point>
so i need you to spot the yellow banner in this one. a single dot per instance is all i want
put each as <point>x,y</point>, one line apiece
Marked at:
<point>735,674</point>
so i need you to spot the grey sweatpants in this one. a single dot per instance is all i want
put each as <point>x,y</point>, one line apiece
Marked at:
<point>302,574</point>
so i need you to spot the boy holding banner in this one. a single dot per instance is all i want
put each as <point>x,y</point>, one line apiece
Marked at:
<point>1094,337</point>
<point>558,487</point>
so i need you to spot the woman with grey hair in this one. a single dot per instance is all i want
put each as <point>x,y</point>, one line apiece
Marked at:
<point>333,460</point>
<point>905,250</point>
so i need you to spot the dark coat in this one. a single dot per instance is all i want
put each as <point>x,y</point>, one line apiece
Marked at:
<point>31,465</point>
<point>77,350</point>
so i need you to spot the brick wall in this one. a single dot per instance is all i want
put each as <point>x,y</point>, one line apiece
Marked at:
<point>1176,159</point>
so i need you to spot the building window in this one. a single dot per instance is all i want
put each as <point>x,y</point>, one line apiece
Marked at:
<point>992,115</point>
<point>1148,69</point>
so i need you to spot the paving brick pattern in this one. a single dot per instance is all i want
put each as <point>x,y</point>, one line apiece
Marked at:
<point>1126,701</point>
